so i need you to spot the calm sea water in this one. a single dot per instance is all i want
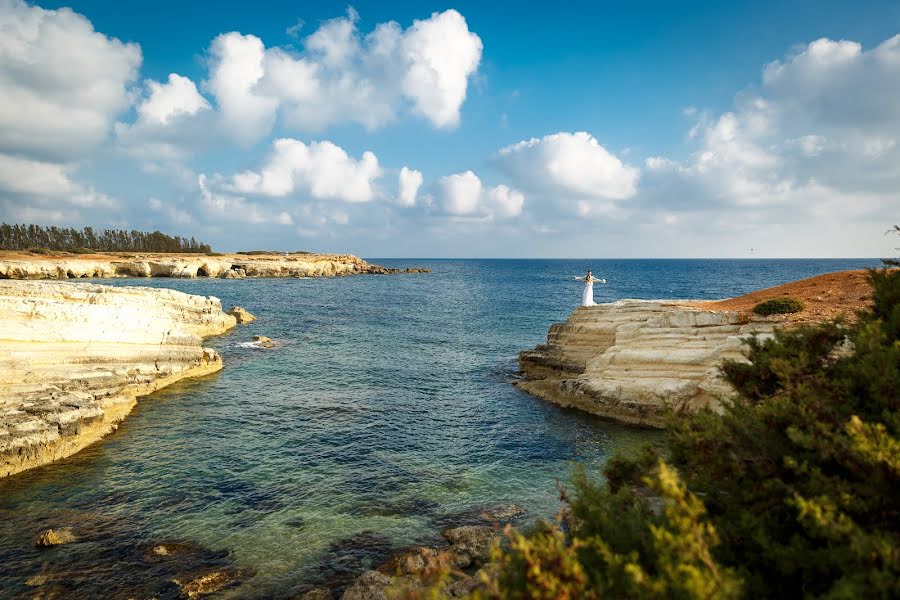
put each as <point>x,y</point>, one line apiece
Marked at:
<point>385,414</point>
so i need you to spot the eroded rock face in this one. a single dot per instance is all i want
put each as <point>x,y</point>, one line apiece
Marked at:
<point>631,359</point>
<point>241,315</point>
<point>229,266</point>
<point>74,358</point>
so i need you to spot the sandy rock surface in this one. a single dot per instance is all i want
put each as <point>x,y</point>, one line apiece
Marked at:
<point>74,358</point>
<point>631,360</point>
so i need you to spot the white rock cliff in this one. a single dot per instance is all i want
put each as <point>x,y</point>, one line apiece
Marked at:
<point>630,360</point>
<point>74,358</point>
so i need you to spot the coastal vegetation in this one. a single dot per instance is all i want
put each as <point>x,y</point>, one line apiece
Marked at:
<point>778,306</point>
<point>81,241</point>
<point>792,491</point>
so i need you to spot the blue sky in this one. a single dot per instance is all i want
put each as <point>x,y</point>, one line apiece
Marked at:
<point>584,129</point>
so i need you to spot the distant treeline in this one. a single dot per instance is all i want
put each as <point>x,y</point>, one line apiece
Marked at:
<point>25,237</point>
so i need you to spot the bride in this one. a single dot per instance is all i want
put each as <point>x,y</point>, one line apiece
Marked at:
<point>587,297</point>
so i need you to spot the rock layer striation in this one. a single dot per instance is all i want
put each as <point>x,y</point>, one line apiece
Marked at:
<point>74,358</point>
<point>631,360</point>
<point>16,265</point>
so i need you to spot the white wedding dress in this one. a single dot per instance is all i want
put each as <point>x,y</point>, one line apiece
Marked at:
<point>587,297</point>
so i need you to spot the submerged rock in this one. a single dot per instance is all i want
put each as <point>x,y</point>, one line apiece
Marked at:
<point>316,594</point>
<point>241,314</point>
<point>209,583</point>
<point>55,537</point>
<point>503,513</point>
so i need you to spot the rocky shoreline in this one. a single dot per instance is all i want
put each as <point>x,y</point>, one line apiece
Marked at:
<point>61,265</point>
<point>634,360</point>
<point>74,358</point>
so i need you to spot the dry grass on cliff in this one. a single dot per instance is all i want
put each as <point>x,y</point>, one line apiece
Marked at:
<point>826,297</point>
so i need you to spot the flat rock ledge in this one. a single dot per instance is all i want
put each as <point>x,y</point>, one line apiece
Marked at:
<point>18,265</point>
<point>75,357</point>
<point>632,360</point>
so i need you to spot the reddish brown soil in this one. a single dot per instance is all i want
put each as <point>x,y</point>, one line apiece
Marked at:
<point>826,297</point>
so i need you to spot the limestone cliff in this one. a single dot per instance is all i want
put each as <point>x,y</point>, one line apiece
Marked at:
<point>74,358</point>
<point>18,265</point>
<point>630,359</point>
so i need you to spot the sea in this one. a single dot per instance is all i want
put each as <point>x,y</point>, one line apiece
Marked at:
<point>386,413</point>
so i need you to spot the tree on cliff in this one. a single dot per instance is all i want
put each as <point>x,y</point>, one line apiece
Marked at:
<point>24,237</point>
<point>794,491</point>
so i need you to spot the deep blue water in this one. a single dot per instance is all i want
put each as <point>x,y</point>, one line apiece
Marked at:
<point>386,413</point>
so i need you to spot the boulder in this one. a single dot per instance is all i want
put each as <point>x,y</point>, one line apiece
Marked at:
<point>241,315</point>
<point>263,341</point>
<point>471,544</point>
<point>55,537</point>
<point>371,585</point>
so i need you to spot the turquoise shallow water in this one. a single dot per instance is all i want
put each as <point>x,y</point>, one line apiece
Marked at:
<point>385,414</point>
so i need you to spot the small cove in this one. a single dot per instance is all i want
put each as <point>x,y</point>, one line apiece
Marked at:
<point>386,412</point>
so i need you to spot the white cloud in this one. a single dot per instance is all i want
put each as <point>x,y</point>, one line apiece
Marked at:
<point>344,77</point>
<point>409,182</point>
<point>322,170</point>
<point>49,183</point>
<point>462,194</point>
<point>167,100</point>
<point>572,165</point>
<point>236,67</point>
<point>229,207</point>
<point>505,201</point>
<point>818,138</point>
<point>441,54</point>
<point>73,80</point>
<point>174,214</point>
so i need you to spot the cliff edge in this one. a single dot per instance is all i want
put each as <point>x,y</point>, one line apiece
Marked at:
<point>63,265</point>
<point>74,358</point>
<point>632,360</point>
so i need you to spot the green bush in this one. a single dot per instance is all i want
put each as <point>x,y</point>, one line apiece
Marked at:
<point>778,306</point>
<point>793,491</point>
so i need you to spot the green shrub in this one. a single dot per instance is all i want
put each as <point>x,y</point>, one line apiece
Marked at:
<point>778,306</point>
<point>793,491</point>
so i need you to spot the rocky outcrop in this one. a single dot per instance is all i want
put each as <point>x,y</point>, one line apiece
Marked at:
<point>74,358</point>
<point>631,360</point>
<point>17,265</point>
<point>55,537</point>
<point>241,314</point>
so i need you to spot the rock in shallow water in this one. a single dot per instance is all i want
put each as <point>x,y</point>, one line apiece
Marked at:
<point>210,583</point>
<point>55,537</point>
<point>471,544</point>
<point>241,314</point>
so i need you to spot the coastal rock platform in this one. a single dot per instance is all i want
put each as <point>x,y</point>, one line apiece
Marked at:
<point>63,265</point>
<point>74,358</point>
<point>633,360</point>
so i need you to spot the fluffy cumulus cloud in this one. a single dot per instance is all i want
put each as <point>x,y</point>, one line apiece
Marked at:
<point>342,76</point>
<point>572,171</point>
<point>321,170</point>
<point>463,195</point>
<point>408,181</point>
<point>62,85</point>
<point>818,138</point>
<point>168,100</point>
<point>73,80</point>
